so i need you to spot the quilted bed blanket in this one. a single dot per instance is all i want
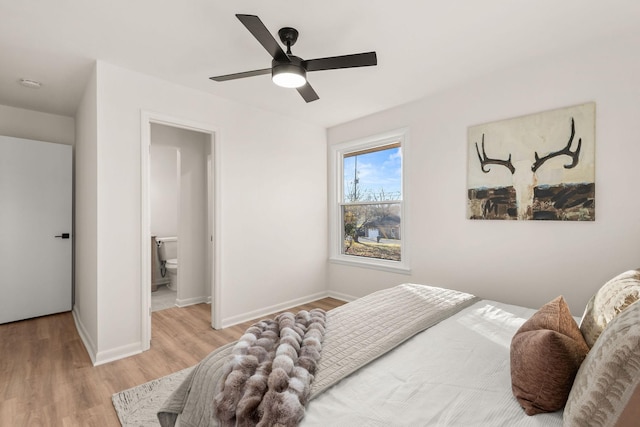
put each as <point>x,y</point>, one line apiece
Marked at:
<point>355,334</point>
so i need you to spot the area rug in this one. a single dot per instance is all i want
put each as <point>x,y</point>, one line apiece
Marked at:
<point>137,406</point>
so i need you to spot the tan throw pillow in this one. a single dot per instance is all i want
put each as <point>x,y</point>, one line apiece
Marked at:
<point>546,353</point>
<point>613,297</point>
<point>606,391</point>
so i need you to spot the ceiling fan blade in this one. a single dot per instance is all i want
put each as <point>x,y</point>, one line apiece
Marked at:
<point>308,93</point>
<point>241,75</point>
<point>345,61</point>
<point>260,32</point>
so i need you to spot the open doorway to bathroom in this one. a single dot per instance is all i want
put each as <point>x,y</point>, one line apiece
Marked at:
<point>179,193</point>
<point>179,227</point>
<point>165,199</point>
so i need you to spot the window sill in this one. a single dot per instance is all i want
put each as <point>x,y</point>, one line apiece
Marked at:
<point>389,266</point>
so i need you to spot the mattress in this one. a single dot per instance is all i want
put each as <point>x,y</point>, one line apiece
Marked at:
<point>455,373</point>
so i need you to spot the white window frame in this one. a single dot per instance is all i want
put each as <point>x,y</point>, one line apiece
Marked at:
<point>336,182</point>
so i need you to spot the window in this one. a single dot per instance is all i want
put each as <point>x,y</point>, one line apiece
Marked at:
<point>368,223</point>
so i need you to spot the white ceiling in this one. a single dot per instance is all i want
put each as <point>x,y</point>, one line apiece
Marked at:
<point>422,46</point>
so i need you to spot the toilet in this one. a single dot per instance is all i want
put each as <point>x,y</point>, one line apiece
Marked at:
<point>168,253</point>
<point>172,271</point>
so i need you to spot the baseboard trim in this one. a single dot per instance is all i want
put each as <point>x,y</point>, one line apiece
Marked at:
<point>117,353</point>
<point>234,320</point>
<point>84,336</point>
<point>341,296</point>
<point>191,301</point>
<point>111,355</point>
<point>99,358</point>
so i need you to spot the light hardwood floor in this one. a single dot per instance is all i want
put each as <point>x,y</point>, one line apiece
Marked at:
<point>47,379</point>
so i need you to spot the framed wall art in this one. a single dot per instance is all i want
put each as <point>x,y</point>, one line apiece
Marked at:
<point>535,167</point>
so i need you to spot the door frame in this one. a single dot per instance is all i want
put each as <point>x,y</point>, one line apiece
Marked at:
<point>147,118</point>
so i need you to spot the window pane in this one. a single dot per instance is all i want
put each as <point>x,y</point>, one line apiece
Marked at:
<point>373,175</point>
<point>372,230</point>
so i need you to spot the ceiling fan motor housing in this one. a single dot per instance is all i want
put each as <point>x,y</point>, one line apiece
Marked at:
<point>288,37</point>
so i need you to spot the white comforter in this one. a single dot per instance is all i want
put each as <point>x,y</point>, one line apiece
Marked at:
<point>356,334</point>
<point>454,374</point>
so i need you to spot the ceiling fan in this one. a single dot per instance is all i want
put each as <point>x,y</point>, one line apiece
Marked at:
<point>288,70</point>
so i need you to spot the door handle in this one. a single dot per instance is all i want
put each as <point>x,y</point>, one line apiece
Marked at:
<point>63,236</point>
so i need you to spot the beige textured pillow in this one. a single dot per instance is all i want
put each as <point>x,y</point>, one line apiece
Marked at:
<point>546,353</point>
<point>613,297</point>
<point>606,391</point>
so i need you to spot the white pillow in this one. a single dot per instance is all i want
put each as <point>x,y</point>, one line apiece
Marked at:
<point>611,299</point>
<point>606,390</point>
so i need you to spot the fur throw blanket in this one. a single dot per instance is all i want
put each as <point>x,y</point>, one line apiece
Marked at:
<point>267,380</point>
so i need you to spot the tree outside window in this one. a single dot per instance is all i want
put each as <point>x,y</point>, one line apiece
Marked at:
<point>371,205</point>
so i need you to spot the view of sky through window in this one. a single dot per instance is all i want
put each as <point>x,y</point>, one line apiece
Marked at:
<point>373,175</point>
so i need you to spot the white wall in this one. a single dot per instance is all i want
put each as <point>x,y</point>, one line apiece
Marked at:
<point>188,207</point>
<point>28,124</point>
<point>273,213</point>
<point>163,189</point>
<point>526,263</point>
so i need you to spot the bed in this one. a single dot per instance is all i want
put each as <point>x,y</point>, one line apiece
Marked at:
<point>423,355</point>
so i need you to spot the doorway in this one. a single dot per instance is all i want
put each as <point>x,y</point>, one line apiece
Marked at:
<point>198,226</point>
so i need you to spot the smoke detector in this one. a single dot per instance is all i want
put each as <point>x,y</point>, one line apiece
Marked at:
<point>30,83</point>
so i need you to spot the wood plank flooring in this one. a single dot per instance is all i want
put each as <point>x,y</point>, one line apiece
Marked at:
<point>47,379</point>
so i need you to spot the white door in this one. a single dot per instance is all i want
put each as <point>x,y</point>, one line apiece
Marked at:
<point>35,228</point>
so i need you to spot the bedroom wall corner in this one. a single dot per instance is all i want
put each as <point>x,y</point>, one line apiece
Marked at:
<point>519,262</point>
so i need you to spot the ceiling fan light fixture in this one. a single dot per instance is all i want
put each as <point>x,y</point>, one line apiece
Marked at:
<point>289,75</point>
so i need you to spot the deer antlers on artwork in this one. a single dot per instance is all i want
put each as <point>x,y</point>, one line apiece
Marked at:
<point>566,150</point>
<point>484,160</point>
